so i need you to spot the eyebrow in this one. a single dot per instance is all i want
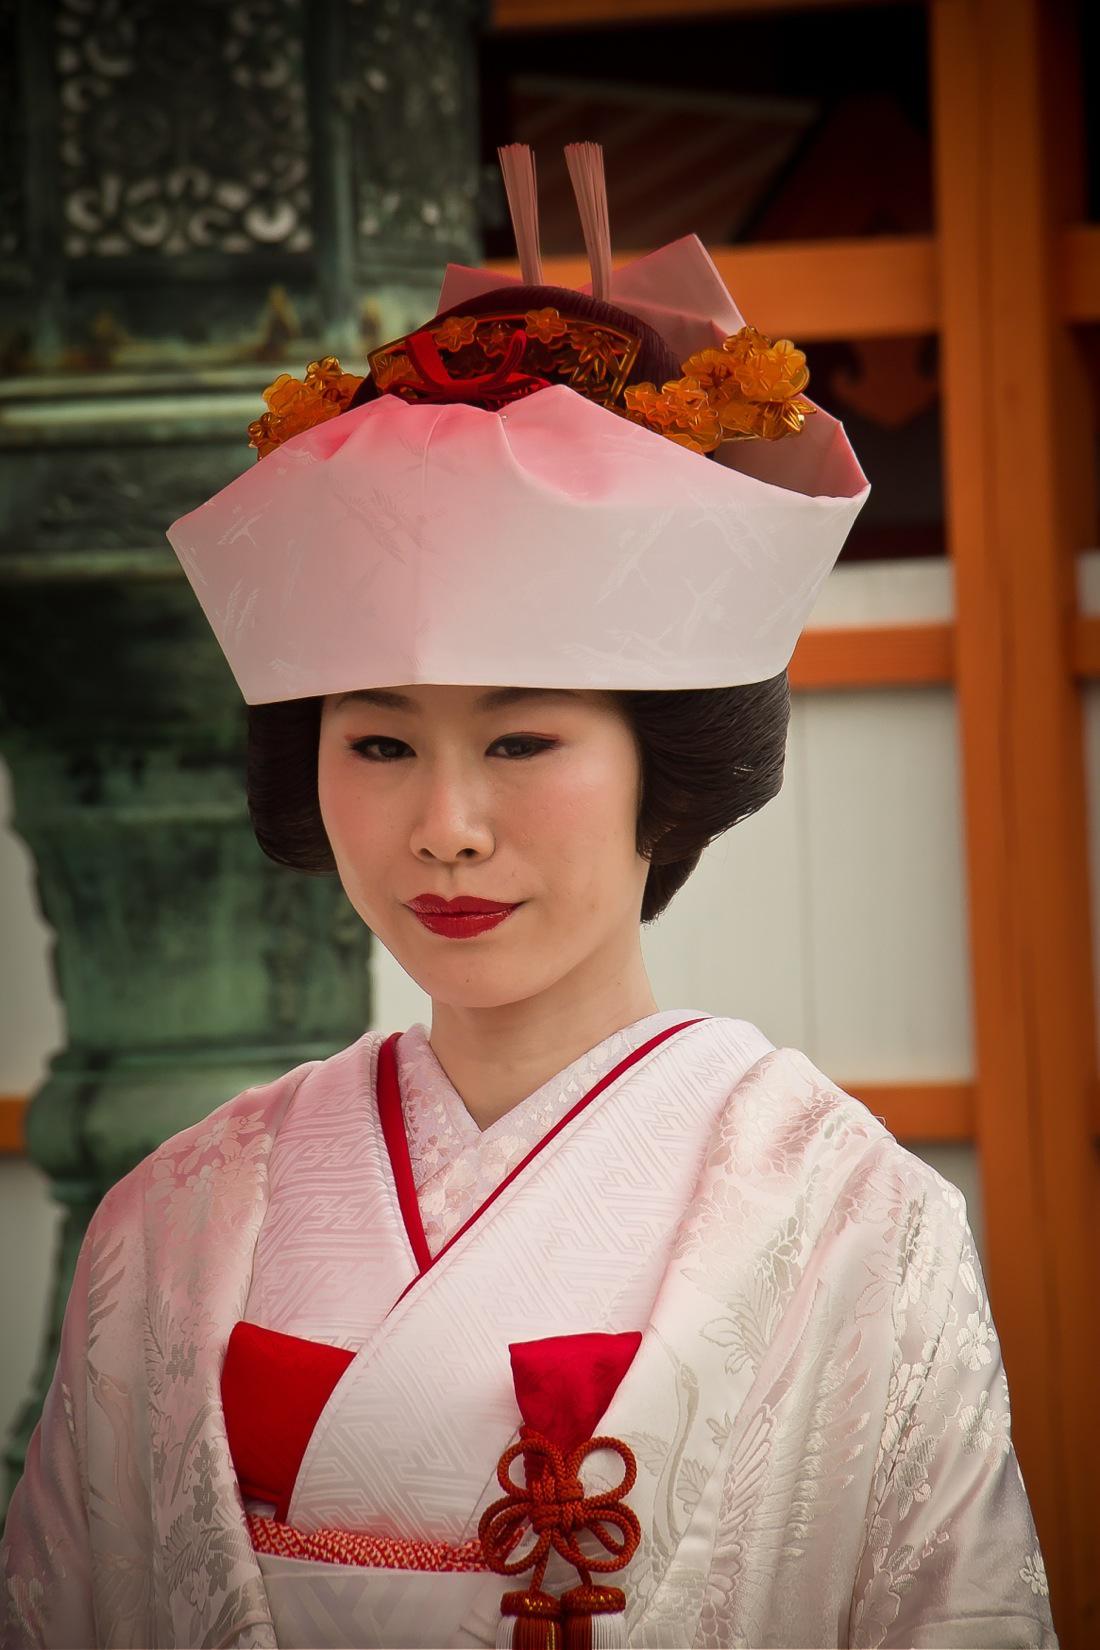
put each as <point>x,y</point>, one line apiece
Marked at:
<point>494,700</point>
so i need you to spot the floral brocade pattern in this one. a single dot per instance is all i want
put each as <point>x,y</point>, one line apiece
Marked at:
<point>818,1406</point>
<point>942,1473</point>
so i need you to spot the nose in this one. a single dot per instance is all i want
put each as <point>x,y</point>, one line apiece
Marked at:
<point>451,822</point>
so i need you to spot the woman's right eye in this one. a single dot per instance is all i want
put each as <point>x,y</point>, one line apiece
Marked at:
<point>360,744</point>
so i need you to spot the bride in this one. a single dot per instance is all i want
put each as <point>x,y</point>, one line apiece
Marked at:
<point>567,1320</point>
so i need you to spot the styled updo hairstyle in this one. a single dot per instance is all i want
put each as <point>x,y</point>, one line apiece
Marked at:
<point>710,757</point>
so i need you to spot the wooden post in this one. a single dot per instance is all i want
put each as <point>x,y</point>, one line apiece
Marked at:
<point>1004,89</point>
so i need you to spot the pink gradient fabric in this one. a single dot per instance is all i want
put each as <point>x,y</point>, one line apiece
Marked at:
<point>551,544</point>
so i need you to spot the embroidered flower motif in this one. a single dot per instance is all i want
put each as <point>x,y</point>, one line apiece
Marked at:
<point>1034,1573</point>
<point>545,324</point>
<point>781,1255</point>
<point>189,1204</point>
<point>976,1341</point>
<point>918,1253</point>
<point>456,332</point>
<point>895,1569</point>
<point>205,1463</point>
<point>906,1382</point>
<point>159,1455</point>
<point>984,1429</point>
<point>217,1565</point>
<point>205,1500</point>
<point>911,1481</point>
<point>206,1458</point>
<point>181,1362</point>
<point>295,405</point>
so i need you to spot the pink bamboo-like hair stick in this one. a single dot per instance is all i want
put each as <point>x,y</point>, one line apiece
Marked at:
<point>517,162</point>
<point>585,163</point>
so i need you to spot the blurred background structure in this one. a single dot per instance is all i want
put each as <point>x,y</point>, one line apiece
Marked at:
<point>194,199</point>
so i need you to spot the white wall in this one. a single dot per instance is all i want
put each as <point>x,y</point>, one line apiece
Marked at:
<point>835,920</point>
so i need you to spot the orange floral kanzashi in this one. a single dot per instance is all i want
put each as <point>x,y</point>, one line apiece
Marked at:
<point>545,325</point>
<point>746,391</point>
<point>594,355</point>
<point>711,367</point>
<point>758,420</point>
<point>456,332</point>
<point>766,371</point>
<point>495,340</point>
<point>294,406</point>
<point>650,406</point>
<point>394,366</point>
<point>680,410</point>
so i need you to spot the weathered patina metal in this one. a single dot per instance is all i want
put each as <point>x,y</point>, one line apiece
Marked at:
<point>202,195</point>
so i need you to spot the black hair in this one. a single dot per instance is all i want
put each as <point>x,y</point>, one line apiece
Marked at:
<point>710,757</point>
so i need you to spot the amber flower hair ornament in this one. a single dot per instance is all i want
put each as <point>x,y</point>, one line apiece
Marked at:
<point>638,535</point>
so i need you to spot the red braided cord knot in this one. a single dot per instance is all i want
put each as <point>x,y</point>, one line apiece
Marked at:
<point>504,383</point>
<point>556,1505</point>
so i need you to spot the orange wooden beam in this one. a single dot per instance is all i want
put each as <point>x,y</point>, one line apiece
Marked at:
<point>1012,469</point>
<point>863,287</point>
<point>857,288</point>
<point>12,1109</point>
<point>511,15</point>
<point>920,1111</point>
<point>1079,275</point>
<point>961,158</point>
<point>1085,645</point>
<point>882,656</point>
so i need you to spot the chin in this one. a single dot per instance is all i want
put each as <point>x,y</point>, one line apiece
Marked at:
<point>476,989</point>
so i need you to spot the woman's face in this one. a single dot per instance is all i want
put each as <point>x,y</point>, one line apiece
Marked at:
<point>512,794</point>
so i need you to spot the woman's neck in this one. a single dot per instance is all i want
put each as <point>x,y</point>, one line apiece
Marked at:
<point>495,1057</point>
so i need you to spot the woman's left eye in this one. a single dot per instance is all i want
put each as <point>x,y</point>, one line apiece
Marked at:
<point>534,746</point>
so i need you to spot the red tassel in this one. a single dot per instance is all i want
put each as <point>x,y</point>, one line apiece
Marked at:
<point>556,1506</point>
<point>529,1621</point>
<point>593,1618</point>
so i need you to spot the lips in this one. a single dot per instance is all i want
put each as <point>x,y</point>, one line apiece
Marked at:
<point>464,904</point>
<point>463,925</point>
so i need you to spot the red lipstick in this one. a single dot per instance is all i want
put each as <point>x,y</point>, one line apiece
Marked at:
<point>459,918</point>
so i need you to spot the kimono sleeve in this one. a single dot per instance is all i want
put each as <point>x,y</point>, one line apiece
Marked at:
<point>951,1555</point>
<point>45,1555</point>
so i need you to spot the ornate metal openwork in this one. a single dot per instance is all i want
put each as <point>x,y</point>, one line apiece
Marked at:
<point>181,130</point>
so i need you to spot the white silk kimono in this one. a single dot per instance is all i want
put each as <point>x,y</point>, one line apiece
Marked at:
<point>817,1405</point>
